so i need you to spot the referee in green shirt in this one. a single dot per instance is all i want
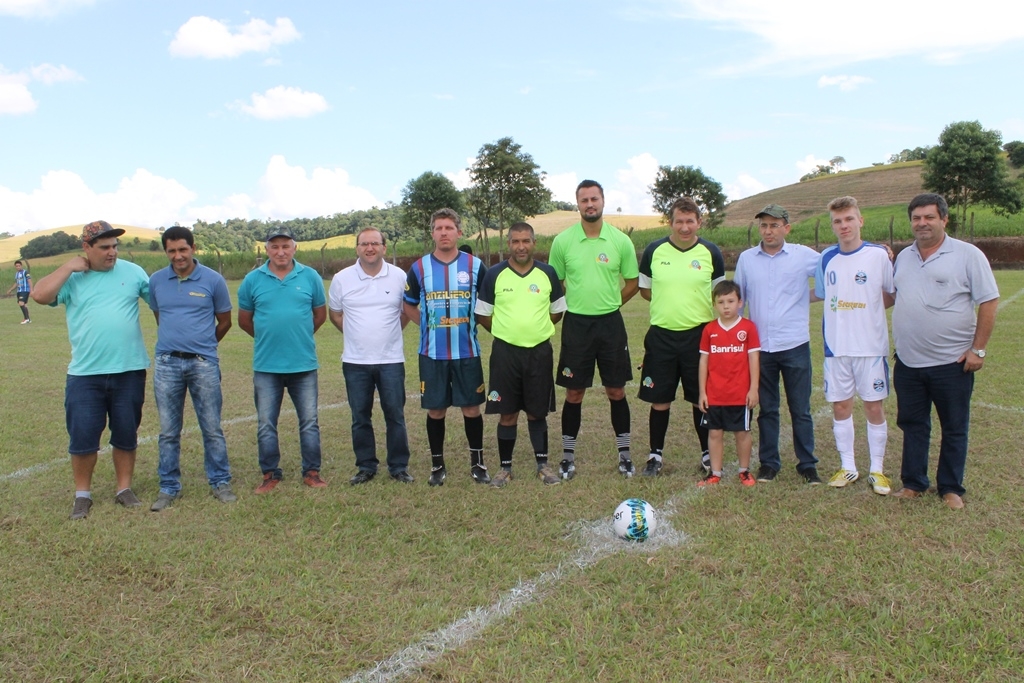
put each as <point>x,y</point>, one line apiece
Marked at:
<point>589,258</point>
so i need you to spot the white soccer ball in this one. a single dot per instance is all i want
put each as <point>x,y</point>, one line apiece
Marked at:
<point>634,520</point>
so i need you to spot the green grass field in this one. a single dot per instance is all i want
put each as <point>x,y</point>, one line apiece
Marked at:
<point>782,582</point>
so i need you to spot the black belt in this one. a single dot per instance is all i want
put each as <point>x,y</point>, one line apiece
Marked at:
<point>185,355</point>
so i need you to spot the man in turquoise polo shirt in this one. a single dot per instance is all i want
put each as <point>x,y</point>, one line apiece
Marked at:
<point>281,305</point>
<point>106,379</point>
<point>590,258</point>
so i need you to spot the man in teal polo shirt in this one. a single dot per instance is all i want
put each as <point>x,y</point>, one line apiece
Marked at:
<point>590,258</point>
<point>281,305</point>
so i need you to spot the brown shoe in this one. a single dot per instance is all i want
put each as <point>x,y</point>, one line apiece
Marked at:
<point>313,480</point>
<point>269,482</point>
<point>953,501</point>
<point>906,494</point>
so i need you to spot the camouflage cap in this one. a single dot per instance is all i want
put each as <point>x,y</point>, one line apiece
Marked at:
<point>775,211</point>
<point>280,231</point>
<point>98,229</point>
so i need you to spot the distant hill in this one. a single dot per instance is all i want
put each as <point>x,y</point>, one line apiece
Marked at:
<point>874,186</point>
<point>10,248</point>
<point>557,221</point>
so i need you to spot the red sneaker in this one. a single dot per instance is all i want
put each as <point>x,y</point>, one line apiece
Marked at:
<point>747,479</point>
<point>269,482</point>
<point>313,480</point>
<point>709,480</point>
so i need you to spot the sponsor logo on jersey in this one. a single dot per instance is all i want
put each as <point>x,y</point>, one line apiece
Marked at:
<point>602,258</point>
<point>445,321</point>
<point>731,348</point>
<point>462,277</point>
<point>449,294</point>
<point>507,289</point>
<point>837,304</point>
<point>861,277</point>
<point>199,294</point>
<point>494,396</point>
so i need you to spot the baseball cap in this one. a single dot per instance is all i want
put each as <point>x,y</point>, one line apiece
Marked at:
<point>98,229</point>
<point>280,232</point>
<point>775,211</point>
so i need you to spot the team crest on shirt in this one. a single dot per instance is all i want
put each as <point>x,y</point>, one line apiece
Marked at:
<point>494,396</point>
<point>535,289</point>
<point>566,372</point>
<point>462,277</point>
<point>648,382</point>
<point>695,264</point>
<point>602,258</point>
<point>879,385</point>
<point>861,277</point>
<point>741,335</point>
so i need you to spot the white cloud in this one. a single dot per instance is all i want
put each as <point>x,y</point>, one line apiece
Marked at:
<point>50,74</point>
<point>40,8</point>
<point>629,191</point>
<point>809,34</point>
<point>845,83</point>
<point>809,163</point>
<point>744,186</point>
<point>284,103</point>
<point>562,186</point>
<point>461,179</point>
<point>15,97</point>
<point>212,39</point>
<point>148,200</point>
<point>444,96</point>
<point>525,90</point>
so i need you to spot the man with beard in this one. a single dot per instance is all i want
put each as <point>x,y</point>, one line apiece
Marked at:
<point>589,258</point>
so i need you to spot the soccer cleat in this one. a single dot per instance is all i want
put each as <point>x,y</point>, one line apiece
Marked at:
<point>568,469</point>
<point>843,477</point>
<point>747,479</point>
<point>709,480</point>
<point>626,468</point>
<point>765,473</point>
<point>162,502</point>
<point>361,477</point>
<point>502,479</point>
<point>128,499</point>
<point>268,485</point>
<point>437,475</point>
<point>313,480</point>
<point>223,493</point>
<point>810,476</point>
<point>548,476</point>
<point>479,474</point>
<point>25,322</point>
<point>402,476</point>
<point>705,462</point>
<point>652,469</point>
<point>81,508</point>
<point>880,483</point>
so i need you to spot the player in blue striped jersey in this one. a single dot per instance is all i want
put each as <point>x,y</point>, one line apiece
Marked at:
<point>440,297</point>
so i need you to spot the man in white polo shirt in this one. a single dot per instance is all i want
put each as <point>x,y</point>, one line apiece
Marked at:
<point>365,304</point>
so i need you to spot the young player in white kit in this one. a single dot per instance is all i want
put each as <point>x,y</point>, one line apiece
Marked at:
<point>855,280</point>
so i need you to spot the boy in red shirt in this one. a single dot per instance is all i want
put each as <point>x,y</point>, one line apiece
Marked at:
<point>729,373</point>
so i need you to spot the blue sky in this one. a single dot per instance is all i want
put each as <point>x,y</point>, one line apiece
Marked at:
<point>149,113</point>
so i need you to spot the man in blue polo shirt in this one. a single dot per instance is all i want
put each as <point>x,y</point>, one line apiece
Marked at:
<point>281,305</point>
<point>193,313</point>
<point>106,381</point>
<point>773,277</point>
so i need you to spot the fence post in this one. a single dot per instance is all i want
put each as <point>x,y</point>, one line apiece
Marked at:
<point>220,263</point>
<point>972,227</point>
<point>892,243</point>
<point>750,230</point>
<point>323,262</point>
<point>817,224</point>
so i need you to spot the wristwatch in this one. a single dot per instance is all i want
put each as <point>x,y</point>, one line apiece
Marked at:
<point>980,353</point>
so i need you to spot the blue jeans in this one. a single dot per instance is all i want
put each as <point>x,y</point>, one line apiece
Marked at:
<point>795,367</point>
<point>949,389</point>
<point>269,392</point>
<point>172,377</point>
<point>389,381</point>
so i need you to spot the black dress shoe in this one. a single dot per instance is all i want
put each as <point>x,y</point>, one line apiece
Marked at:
<point>362,476</point>
<point>402,476</point>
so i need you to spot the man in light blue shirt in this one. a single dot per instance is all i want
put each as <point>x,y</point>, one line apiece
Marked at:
<point>193,313</point>
<point>106,380</point>
<point>281,305</point>
<point>774,279</point>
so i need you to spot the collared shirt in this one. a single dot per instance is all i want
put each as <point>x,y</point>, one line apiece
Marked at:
<point>591,267</point>
<point>681,281</point>
<point>372,305</point>
<point>188,309</point>
<point>446,294</point>
<point>933,322</point>
<point>521,304</point>
<point>283,317</point>
<point>776,292</point>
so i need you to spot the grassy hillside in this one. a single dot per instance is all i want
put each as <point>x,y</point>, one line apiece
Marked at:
<point>874,186</point>
<point>10,248</point>
<point>553,223</point>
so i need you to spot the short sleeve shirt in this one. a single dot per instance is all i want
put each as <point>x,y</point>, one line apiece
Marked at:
<point>520,305</point>
<point>446,295</point>
<point>728,351</point>
<point>283,317</point>
<point>851,285</point>
<point>188,309</point>
<point>372,306</point>
<point>591,268</point>
<point>680,281</point>
<point>103,319</point>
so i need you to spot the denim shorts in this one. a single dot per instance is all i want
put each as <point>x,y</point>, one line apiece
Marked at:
<point>90,399</point>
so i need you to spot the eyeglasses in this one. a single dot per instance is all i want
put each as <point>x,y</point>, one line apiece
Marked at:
<point>370,244</point>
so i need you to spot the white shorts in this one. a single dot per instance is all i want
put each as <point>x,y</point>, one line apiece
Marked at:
<point>867,377</point>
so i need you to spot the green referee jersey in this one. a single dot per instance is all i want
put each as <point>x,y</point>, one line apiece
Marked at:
<point>680,281</point>
<point>591,268</point>
<point>520,305</point>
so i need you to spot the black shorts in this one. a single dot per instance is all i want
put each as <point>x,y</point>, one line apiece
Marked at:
<point>446,383</point>
<point>670,357</point>
<point>521,379</point>
<point>727,418</point>
<point>22,297</point>
<point>590,338</point>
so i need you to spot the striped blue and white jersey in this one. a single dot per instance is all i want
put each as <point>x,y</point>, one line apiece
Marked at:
<point>446,294</point>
